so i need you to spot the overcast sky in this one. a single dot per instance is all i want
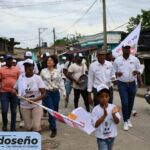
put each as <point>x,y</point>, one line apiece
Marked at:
<point>22,18</point>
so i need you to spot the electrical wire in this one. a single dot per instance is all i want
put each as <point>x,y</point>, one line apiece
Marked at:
<point>118,27</point>
<point>79,19</point>
<point>35,18</point>
<point>10,6</point>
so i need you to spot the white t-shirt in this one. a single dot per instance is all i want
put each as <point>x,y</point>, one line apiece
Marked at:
<point>77,71</point>
<point>30,89</point>
<point>108,128</point>
<point>62,74</point>
<point>67,64</point>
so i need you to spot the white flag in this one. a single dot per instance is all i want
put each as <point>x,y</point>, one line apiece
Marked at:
<point>131,39</point>
<point>79,118</point>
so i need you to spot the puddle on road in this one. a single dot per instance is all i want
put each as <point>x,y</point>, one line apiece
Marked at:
<point>50,144</point>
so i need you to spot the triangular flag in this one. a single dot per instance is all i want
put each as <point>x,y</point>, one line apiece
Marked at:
<point>131,39</point>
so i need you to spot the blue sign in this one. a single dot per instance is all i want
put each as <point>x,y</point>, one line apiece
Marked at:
<point>20,141</point>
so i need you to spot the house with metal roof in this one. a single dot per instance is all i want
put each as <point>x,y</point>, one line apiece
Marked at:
<point>97,40</point>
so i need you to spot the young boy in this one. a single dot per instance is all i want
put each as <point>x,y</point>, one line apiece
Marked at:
<point>105,116</point>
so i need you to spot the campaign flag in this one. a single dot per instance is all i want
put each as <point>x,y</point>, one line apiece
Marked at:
<point>78,118</point>
<point>131,39</point>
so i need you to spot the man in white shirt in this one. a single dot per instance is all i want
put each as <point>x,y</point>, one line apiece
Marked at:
<point>126,68</point>
<point>20,66</point>
<point>2,62</point>
<point>64,73</point>
<point>100,72</point>
<point>74,72</point>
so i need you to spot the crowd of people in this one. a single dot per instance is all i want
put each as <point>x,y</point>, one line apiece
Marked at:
<point>42,82</point>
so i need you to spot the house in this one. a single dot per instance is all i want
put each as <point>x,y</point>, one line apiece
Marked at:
<point>97,40</point>
<point>90,43</point>
<point>7,45</point>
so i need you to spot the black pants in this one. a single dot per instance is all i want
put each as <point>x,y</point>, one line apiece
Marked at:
<point>84,94</point>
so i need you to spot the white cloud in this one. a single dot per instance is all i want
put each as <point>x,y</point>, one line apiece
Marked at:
<point>23,22</point>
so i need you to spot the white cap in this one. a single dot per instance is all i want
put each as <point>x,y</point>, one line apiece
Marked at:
<point>64,58</point>
<point>2,57</point>
<point>80,55</point>
<point>126,45</point>
<point>101,87</point>
<point>45,55</point>
<point>14,61</point>
<point>28,54</point>
<point>28,61</point>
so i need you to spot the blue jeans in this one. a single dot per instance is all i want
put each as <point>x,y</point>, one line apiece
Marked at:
<point>127,93</point>
<point>105,144</point>
<point>6,99</point>
<point>68,86</point>
<point>51,101</point>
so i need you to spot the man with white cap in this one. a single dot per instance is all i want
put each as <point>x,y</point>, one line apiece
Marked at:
<point>74,72</point>
<point>42,63</point>
<point>2,62</point>
<point>28,54</point>
<point>100,72</point>
<point>126,68</point>
<point>64,60</point>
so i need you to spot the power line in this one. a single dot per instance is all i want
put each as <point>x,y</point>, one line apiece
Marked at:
<point>36,18</point>
<point>118,26</point>
<point>9,6</point>
<point>79,19</point>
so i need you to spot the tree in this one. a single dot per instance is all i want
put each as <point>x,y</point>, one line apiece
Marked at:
<point>134,21</point>
<point>67,41</point>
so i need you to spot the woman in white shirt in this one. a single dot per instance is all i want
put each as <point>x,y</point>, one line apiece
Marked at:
<point>31,86</point>
<point>53,82</point>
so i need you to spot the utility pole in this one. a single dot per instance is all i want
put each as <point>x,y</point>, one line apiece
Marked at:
<point>40,30</point>
<point>54,37</point>
<point>39,37</point>
<point>104,24</point>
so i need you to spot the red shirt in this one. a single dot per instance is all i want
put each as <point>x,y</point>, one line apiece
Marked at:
<point>8,78</point>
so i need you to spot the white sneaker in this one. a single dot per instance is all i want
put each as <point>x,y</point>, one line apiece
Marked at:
<point>21,124</point>
<point>130,124</point>
<point>134,112</point>
<point>125,126</point>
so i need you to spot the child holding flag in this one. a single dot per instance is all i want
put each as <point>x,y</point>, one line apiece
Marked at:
<point>105,116</point>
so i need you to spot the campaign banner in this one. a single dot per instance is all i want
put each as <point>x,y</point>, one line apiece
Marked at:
<point>20,141</point>
<point>131,39</point>
<point>78,118</point>
<point>85,118</point>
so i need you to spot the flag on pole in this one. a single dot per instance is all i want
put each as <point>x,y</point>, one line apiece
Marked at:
<point>131,39</point>
<point>79,118</point>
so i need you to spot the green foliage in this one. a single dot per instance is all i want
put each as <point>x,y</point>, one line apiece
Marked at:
<point>66,41</point>
<point>134,21</point>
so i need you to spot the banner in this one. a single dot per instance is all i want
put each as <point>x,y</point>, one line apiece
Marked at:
<point>20,141</point>
<point>131,39</point>
<point>79,118</point>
